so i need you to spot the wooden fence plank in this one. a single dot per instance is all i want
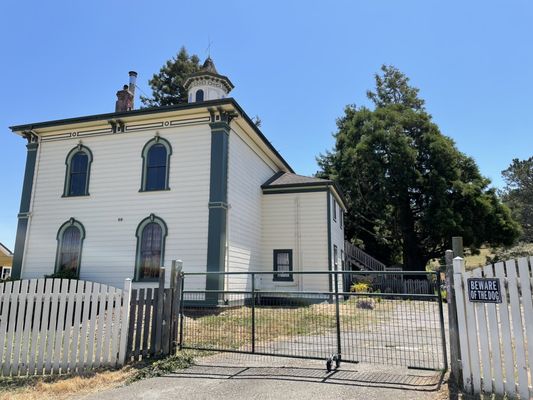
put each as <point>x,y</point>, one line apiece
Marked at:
<point>116,328</point>
<point>483,334</point>
<point>508,359</point>
<point>102,298</point>
<point>92,324</point>
<point>147,304</point>
<point>131,327</point>
<point>458,269</point>
<point>80,366</point>
<point>525,285</point>
<point>167,325</point>
<point>35,335</point>
<point>494,335</point>
<point>60,327</point>
<point>160,310</point>
<point>47,301</point>
<point>30,302</point>
<point>139,322</point>
<point>67,335</point>
<point>153,328</point>
<point>6,301</point>
<point>10,328</point>
<point>52,324</point>
<point>108,325</point>
<point>124,321</point>
<point>76,326</point>
<point>22,297</point>
<point>518,333</point>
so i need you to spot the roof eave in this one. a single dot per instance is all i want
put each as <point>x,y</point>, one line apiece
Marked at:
<point>20,129</point>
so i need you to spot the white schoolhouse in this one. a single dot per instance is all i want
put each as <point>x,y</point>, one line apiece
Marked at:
<point>119,195</point>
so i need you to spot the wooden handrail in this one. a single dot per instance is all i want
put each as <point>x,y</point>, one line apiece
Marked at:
<point>362,258</point>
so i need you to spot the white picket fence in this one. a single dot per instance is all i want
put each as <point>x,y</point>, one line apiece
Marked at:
<point>496,340</point>
<point>61,325</point>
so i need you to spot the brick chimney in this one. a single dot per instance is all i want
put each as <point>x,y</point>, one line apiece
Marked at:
<point>125,97</point>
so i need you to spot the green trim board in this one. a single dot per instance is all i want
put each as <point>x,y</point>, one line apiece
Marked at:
<point>68,164</point>
<point>229,101</point>
<point>138,233</point>
<point>218,198</point>
<point>144,155</point>
<point>25,200</point>
<point>325,184</point>
<point>295,190</point>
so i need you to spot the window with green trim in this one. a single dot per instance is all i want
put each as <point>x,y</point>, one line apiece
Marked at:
<point>156,162</point>
<point>78,169</point>
<point>283,265</point>
<point>69,245</point>
<point>151,234</point>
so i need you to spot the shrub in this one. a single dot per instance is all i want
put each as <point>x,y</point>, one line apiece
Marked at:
<point>63,274</point>
<point>360,287</point>
<point>365,304</point>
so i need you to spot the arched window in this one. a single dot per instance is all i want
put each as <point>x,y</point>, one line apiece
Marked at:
<point>69,245</point>
<point>151,234</point>
<point>199,95</point>
<point>156,162</point>
<point>78,171</point>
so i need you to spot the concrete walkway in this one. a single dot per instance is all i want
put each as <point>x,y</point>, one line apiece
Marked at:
<point>234,376</point>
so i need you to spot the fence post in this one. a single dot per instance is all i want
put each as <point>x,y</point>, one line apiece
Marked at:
<point>182,316</point>
<point>253,312</point>
<point>160,306</point>
<point>458,271</point>
<point>457,246</point>
<point>453,328</point>
<point>177,277</point>
<point>125,321</point>
<point>337,317</point>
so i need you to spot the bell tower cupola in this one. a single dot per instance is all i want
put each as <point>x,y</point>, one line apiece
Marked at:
<point>207,84</point>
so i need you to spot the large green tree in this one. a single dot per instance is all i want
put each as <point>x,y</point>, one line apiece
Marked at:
<point>518,194</point>
<point>408,188</point>
<point>167,85</point>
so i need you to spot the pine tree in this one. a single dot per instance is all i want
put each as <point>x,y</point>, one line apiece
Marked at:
<point>167,85</point>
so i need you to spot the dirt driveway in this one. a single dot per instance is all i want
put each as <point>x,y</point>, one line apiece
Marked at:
<point>232,376</point>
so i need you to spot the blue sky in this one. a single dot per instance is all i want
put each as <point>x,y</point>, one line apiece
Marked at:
<point>296,64</point>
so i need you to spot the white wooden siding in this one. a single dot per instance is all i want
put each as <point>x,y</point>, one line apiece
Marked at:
<point>248,169</point>
<point>296,221</point>
<point>109,247</point>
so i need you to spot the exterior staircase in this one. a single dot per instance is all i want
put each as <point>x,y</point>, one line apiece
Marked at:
<point>357,259</point>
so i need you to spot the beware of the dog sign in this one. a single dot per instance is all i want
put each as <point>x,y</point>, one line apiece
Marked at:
<point>484,290</point>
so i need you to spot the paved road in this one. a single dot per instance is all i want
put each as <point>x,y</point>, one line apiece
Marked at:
<point>232,376</point>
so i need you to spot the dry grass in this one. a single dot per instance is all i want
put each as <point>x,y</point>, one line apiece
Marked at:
<point>231,329</point>
<point>473,261</point>
<point>62,387</point>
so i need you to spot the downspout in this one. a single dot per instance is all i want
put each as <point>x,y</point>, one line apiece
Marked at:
<point>298,243</point>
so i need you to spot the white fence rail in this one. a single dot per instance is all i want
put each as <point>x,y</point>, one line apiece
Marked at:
<point>496,340</point>
<point>61,325</point>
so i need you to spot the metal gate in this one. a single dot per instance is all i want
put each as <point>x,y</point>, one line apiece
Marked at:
<point>393,318</point>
